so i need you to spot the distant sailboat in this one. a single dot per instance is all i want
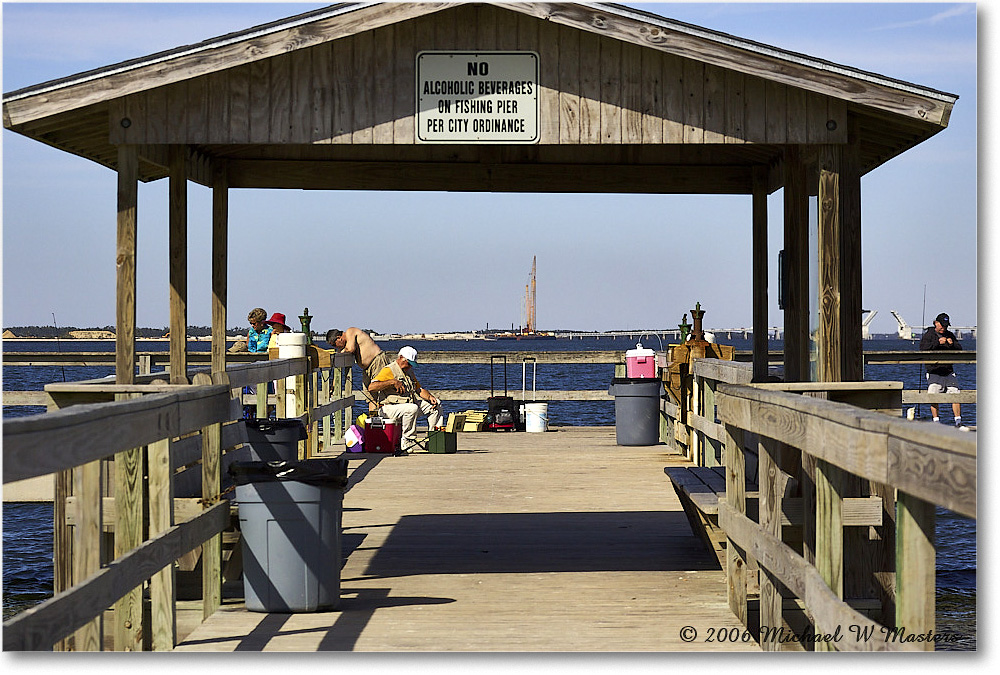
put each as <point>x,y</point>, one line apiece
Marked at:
<point>528,332</point>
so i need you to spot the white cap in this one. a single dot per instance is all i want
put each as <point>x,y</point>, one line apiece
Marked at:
<point>409,353</point>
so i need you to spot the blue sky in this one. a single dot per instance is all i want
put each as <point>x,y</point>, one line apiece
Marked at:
<point>604,262</point>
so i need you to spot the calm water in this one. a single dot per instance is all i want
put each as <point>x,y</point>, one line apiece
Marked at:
<point>27,528</point>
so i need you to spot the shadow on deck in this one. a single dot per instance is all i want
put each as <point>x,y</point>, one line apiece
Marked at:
<point>560,541</point>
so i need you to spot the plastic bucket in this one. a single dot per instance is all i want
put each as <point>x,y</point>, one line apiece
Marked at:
<point>536,417</point>
<point>290,346</point>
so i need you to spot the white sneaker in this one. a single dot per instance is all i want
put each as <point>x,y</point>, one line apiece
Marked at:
<point>962,427</point>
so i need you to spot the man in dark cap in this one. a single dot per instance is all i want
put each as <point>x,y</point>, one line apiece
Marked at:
<point>941,376</point>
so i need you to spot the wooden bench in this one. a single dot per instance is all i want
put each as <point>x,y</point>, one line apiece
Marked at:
<point>700,489</point>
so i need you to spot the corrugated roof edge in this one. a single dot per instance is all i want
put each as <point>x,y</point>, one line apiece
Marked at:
<point>620,10</point>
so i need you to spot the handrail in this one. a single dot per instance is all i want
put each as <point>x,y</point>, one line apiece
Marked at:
<point>924,464</point>
<point>74,436</point>
<point>935,463</point>
<point>152,415</point>
<point>69,358</point>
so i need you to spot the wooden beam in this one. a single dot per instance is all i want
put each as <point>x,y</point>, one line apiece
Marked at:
<point>130,630</point>
<point>852,359</point>
<point>759,256</point>
<point>736,556</point>
<point>915,565</point>
<point>484,177</point>
<point>796,199</point>
<point>830,282</point>
<point>220,266</point>
<point>128,194</point>
<point>163,612</point>
<point>178,264</point>
<point>772,489</point>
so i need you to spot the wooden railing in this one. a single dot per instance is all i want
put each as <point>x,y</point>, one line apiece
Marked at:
<point>152,360</point>
<point>817,450</point>
<point>692,427</point>
<point>844,452</point>
<point>125,450</point>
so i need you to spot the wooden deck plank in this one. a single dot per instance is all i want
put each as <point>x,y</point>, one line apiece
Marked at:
<point>557,541</point>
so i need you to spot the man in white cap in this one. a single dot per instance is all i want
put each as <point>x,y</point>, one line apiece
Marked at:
<point>401,397</point>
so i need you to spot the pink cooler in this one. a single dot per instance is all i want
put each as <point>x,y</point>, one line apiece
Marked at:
<point>640,362</point>
<point>382,435</point>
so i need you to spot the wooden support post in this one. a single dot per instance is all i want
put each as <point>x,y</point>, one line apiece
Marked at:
<point>830,529</point>
<point>736,558</point>
<point>713,448</point>
<point>130,508</point>
<point>262,400</point>
<point>342,418</point>
<point>760,274</point>
<point>796,200</point>
<point>830,358</point>
<point>915,561</point>
<point>315,399</point>
<point>852,365</point>
<point>301,398</point>
<point>211,487</point>
<point>178,264</point>
<point>346,389</point>
<point>163,614</point>
<point>696,445</point>
<point>87,543</point>
<point>328,384</point>
<point>772,489</point>
<point>128,196</point>
<point>220,265</point>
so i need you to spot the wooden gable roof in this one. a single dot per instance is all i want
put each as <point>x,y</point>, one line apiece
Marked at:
<point>325,100</point>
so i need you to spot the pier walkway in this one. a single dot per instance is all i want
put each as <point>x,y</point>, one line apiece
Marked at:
<point>557,541</point>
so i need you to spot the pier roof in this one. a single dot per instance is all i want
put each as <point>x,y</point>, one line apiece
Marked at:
<point>326,100</point>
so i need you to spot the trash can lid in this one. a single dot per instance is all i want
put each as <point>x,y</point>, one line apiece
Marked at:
<point>330,472</point>
<point>635,386</point>
<point>268,426</point>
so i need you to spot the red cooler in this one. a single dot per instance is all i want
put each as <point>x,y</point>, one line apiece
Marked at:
<point>382,435</point>
<point>640,362</point>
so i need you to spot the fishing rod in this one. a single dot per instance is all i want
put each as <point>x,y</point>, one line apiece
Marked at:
<point>923,327</point>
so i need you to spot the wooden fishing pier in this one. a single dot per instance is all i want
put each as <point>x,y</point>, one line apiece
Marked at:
<point>565,531</point>
<point>823,519</point>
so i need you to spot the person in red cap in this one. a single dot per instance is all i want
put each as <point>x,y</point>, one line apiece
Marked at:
<point>941,376</point>
<point>277,324</point>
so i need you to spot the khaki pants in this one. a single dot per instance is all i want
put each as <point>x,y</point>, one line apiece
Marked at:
<point>407,413</point>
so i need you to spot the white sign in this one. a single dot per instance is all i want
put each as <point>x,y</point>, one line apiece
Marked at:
<point>477,97</point>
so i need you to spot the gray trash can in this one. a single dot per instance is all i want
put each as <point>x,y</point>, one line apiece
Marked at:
<point>274,440</point>
<point>637,410</point>
<point>290,521</point>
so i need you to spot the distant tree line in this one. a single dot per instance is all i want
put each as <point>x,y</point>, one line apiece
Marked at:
<point>64,331</point>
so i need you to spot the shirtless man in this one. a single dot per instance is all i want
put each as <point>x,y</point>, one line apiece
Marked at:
<point>368,355</point>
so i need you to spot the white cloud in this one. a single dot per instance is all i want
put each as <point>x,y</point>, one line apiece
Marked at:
<point>957,10</point>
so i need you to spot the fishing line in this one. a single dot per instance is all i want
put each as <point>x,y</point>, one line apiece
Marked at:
<point>923,327</point>
<point>58,345</point>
